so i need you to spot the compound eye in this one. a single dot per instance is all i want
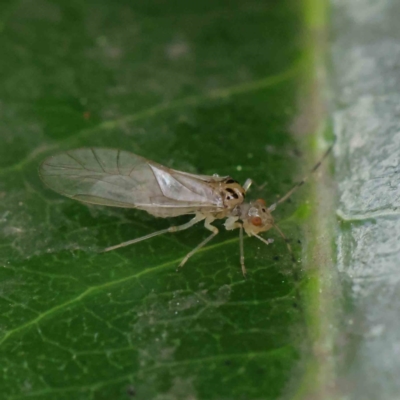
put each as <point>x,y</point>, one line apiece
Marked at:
<point>257,221</point>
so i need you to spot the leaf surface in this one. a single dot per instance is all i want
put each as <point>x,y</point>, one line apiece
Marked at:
<point>207,87</point>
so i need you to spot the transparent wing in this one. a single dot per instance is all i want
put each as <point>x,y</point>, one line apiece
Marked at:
<point>121,179</point>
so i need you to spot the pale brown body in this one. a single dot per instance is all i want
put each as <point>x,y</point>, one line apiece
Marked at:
<point>121,179</point>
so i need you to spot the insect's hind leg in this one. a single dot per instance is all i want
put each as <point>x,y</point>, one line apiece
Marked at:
<point>171,229</point>
<point>213,229</point>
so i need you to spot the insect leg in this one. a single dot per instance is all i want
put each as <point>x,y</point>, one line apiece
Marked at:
<point>247,184</point>
<point>286,240</point>
<point>213,229</point>
<point>193,221</point>
<point>242,250</point>
<point>266,241</point>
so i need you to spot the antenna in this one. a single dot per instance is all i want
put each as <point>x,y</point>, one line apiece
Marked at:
<point>303,181</point>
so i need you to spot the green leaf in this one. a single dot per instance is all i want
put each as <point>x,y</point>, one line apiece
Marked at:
<point>206,87</point>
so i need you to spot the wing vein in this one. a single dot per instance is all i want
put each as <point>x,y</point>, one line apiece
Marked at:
<point>61,166</point>
<point>77,160</point>
<point>97,159</point>
<point>131,170</point>
<point>118,155</point>
<point>155,178</point>
<point>89,178</point>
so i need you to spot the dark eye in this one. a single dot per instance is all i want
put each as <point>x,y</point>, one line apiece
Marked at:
<point>264,210</point>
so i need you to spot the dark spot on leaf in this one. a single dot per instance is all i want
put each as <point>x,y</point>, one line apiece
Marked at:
<point>131,391</point>
<point>297,152</point>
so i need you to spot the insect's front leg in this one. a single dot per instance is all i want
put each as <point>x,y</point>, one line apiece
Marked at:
<point>231,223</point>
<point>244,271</point>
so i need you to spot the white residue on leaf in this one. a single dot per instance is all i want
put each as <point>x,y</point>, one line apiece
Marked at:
<point>178,48</point>
<point>182,388</point>
<point>160,320</point>
<point>29,233</point>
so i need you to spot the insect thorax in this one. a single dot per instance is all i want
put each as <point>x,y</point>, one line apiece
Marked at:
<point>232,193</point>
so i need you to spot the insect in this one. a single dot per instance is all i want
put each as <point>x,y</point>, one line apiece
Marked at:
<point>119,178</point>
